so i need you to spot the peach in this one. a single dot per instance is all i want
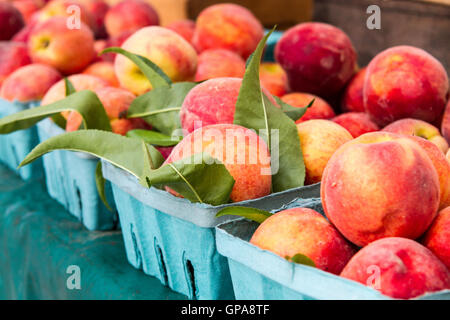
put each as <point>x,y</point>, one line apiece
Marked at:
<point>97,9</point>
<point>445,126</point>
<point>227,26</point>
<point>399,268</point>
<point>100,45</point>
<point>29,83</point>
<point>79,81</point>
<point>437,238</point>
<point>11,21</point>
<point>319,110</point>
<point>380,185</point>
<point>419,128</point>
<point>405,82</point>
<point>130,15</point>
<point>67,50</point>
<point>273,78</point>
<point>103,70</point>
<point>13,55</point>
<point>212,102</point>
<point>357,123</point>
<point>27,8</point>
<point>164,47</point>
<point>448,155</point>
<point>304,231</point>
<point>241,150</point>
<point>318,58</point>
<point>352,99</point>
<point>217,63</point>
<point>319,139</point>
<point>184,28</point>
<point>66,9</point>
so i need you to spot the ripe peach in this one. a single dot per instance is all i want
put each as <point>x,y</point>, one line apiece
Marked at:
<point>97,9</point>
<point>305,231</point>
<point>319,139</point>
<point>129,15</point>
<point>357,123</point>
<point>273,78</point>
<point>399,268</point>
<point>66,9</point>
<point>445,126</point>
<point>29,83</point>
<point>184,28</point>
<point>13,55</point>
<point>212,102</point>
<point>11,21</point>
<point>241,150</point>
<point>319,110</point>
<point>318,58</point>
<point>67,50</point>
<point>174,55</point>
<point>380,185</point>
<point>79,81</point>
<point>437,238</point>
<point>217,63</point>
<point>27,8</point>
<point>352,99</point>
<point>227,26</point>
<point>448,155</point>
<point>419,128</point>
<point>405,82</point>
<point>103,70</point>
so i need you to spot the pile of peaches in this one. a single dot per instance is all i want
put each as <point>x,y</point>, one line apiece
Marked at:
<point>375,137</point>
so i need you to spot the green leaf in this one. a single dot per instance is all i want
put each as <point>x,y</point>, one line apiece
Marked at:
<point>153,73</point>
<point>161,106</point>
<point>199,178</point>
<point>255,111</point>
<point>294,113</point>
<point>100,183</point>
<point>69,87</point>
<point>85,102</point>
<point>302,259</point>
<point>154,138</point>
<point>123,152</point>
<point>253,214</point>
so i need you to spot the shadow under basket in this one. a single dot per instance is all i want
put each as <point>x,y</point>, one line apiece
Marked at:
<point>15,146</point>
<point>173,239</point>
<point>262,275</point>
<point>70,179</point>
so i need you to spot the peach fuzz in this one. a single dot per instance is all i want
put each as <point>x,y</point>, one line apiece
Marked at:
<point>405,82</point>
<point>445,126</point>
<point>246,157</point>
<point>227,26</point>
<point>352,99</point>
<point>29,83</point>
<point>437,238</point>
<point>380,185</point>
<point>406,268</point>
<point>320,109</point>
<point>317,57</point>
<point>103,70</point>
<point>184,28</point>
<point>273,78</point>
<point>62,9</point>
<point>13,55</point>
<point>164,47</point>
<point>67,50</point>
<point>305,231</point>
<point>11,21</point>
<point>130,15</point>
<point>212,102</point>
<point>357,123</point>
<point>79,81</point>
<point>419,128</point>
<point>319,139</point>
<point>218,63</point>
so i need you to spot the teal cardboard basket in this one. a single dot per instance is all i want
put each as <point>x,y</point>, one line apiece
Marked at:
<point>70,179</point>
<point>262,275</point>
<point>173,239</point>
<point>16,145</point>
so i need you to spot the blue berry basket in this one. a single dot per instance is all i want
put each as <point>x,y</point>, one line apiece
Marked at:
<point>173,239</point>
<point>16,145</point>
<point>262,275</point>
<point>269,52</point>
<point>70,179</point>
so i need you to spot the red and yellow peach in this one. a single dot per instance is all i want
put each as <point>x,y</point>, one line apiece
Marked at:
<point>320,109</point>
<point>437,238</point>
<point>219,63</point>
<point>357,123</point>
